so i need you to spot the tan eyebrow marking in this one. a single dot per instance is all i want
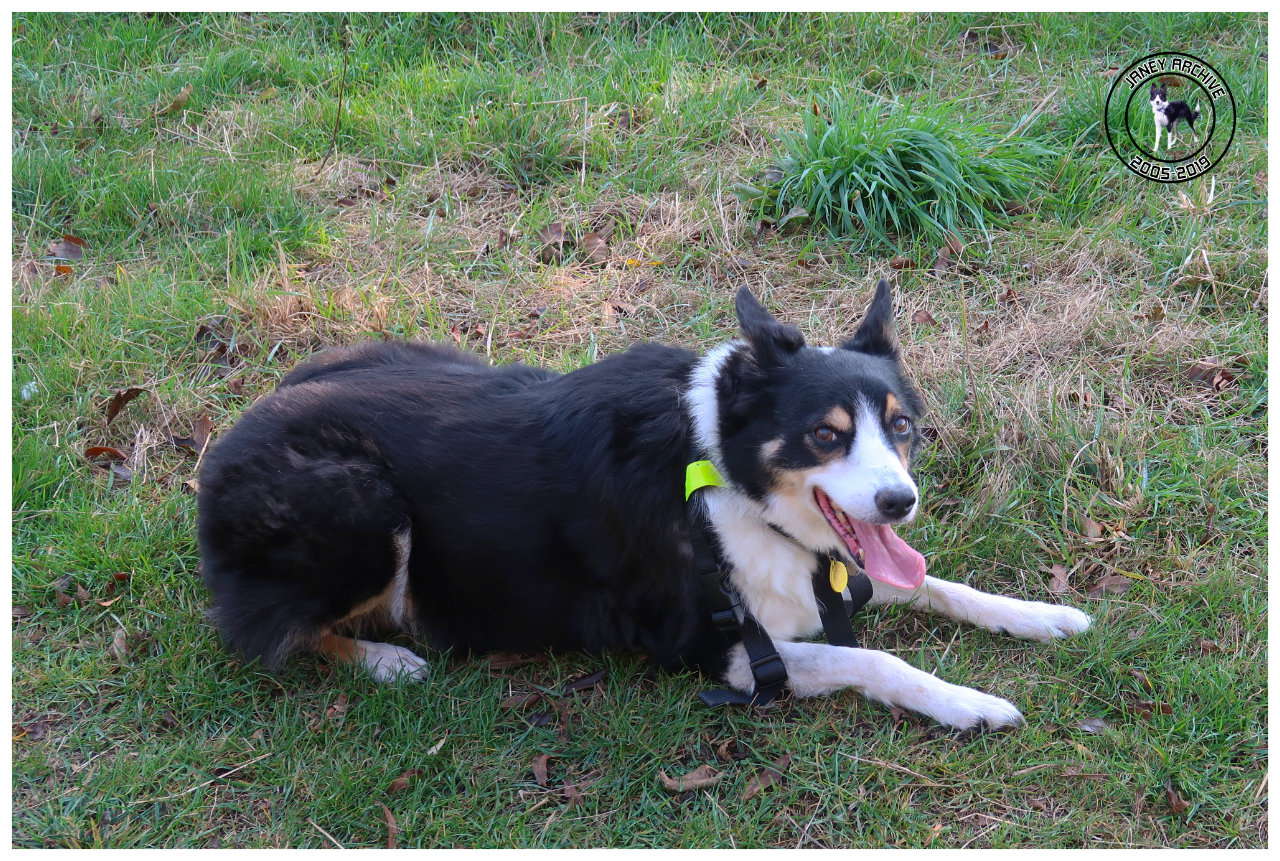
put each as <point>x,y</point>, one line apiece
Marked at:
<point>839,418</point>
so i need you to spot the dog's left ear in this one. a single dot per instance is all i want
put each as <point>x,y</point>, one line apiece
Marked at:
<point>770,341</point>
<point>876,334</point>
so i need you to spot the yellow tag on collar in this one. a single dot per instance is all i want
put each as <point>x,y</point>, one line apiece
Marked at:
<point>839,576</point>
<point>701,473</point>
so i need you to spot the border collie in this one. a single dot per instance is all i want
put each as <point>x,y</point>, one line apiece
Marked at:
<point>1167,114</point>
<point>412,487</point>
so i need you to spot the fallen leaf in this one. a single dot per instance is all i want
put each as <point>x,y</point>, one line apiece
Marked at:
<point>1156,314</point>
<point>345,201</point>
<point>982,328</point>
<point>540,719</point>
<point>392,828</point>
<point>336,711</point>
<point>1110,72</point>
<point>729,750</point>
<point>94,452</point>
<point>1176,803</point>
<point>1036,804</point>
<point>35,730</point>
<point>1115,584</point>
<point>1207,646</point>
<point>119,648</point>
<point>521,702</point>
<point>1211,374</point>
<point>191,485</point>
<point>69,248</point>
<point>571,793</point>
<point>614,310</point>
<point>61,269</point>
<point>1092,529</point>
<point>954,245</point>
<point>200,433</point>
<point>760,84</point>
<point>1011,297</point>
<point>1058,575</point>
<point>111,601</point>
<point>438,746</point>
<point>585,683</point>
<point>179,102</point>
<point>82,594</point>
<point>1147,708</point>
<point>554,240</point>
<point>1093,725</point>
<point>20,612</point>
<point>119,399</point>
<point>902,263</point>
<point>401,783</point>
<point>700,778</point>
<point>596,249</point>
<point>766,777</point>
<point>508,660</point>
<point>944,261</point>
<point>1171,81</point>
<point>540,765</point>
<point>1015,207</point>
<point>924,318</point>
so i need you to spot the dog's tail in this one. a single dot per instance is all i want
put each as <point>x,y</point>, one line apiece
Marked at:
<point>1195,112</point>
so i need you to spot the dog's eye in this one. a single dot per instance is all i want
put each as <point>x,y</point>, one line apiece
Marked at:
<point>824,433</point>
<point>901,424</point>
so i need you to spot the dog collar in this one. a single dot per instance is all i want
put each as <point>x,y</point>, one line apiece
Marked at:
<point>701,473</point>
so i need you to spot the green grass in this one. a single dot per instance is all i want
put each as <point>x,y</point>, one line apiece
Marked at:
<point>890,178</point>
<point>1058,359</point>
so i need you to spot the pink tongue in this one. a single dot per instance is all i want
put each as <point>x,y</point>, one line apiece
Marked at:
<point>889,558</point>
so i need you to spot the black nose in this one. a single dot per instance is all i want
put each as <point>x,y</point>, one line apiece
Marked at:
<point>895,502</point>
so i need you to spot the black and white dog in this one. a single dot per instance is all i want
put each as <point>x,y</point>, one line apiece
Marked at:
<point>396,486</point>
<point>1167,115</point>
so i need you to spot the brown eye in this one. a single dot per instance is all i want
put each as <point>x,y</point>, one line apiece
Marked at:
<point>824,433</point>
<point>901,424</point>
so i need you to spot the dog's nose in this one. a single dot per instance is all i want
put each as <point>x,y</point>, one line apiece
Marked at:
<point>895,502</point>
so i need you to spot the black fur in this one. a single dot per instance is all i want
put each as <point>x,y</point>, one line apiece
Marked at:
<point>1175,111</point>
<point>544,510</point>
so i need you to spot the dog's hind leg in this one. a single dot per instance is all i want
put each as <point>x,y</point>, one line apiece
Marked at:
<point>1032,620</point>
<point>385,662</point>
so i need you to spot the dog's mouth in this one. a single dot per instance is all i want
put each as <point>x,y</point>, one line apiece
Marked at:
<point>884,555</point>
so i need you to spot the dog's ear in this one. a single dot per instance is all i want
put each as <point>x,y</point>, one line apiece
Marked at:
<point>771,342</point>
<point>876,334</point>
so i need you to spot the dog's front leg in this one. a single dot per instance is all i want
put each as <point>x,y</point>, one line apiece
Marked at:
<point>814,669</point>
<point>1032,620</point>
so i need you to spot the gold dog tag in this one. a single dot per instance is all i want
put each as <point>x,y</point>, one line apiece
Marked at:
<point>839,576</point>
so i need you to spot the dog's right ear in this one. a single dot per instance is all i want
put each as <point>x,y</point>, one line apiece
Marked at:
<point>771,342</point>
<point>876,334</point>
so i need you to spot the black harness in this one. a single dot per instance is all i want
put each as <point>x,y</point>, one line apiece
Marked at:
<point>733,619</point>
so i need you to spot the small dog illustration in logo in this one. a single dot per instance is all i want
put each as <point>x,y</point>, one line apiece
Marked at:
<point>1167,114</point>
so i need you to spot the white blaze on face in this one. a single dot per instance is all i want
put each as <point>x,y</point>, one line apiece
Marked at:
<point>845,492</point>
<point>872,465</point>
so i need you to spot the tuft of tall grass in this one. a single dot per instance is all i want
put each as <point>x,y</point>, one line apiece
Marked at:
<point>891,176</point>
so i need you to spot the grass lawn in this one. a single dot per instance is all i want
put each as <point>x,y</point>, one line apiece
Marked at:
<point>245,189</point>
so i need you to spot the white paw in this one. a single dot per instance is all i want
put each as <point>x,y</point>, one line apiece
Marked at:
<point>965,708</point>
<point>388,663</point>
<point>1050,621</point>
<point>1031,620</point>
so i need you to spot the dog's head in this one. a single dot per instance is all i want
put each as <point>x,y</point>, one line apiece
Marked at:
<point>823,437</point>
<point>1159,95</point>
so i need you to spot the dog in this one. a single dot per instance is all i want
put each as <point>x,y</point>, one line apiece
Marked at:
<point>413,487</point>
<point>1167,115</point>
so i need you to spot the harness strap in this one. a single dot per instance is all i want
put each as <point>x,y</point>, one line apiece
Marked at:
<point>833,608</point>
<point>732,619</point>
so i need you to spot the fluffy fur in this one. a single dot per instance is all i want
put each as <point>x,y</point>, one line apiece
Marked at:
<point>414,487</point>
